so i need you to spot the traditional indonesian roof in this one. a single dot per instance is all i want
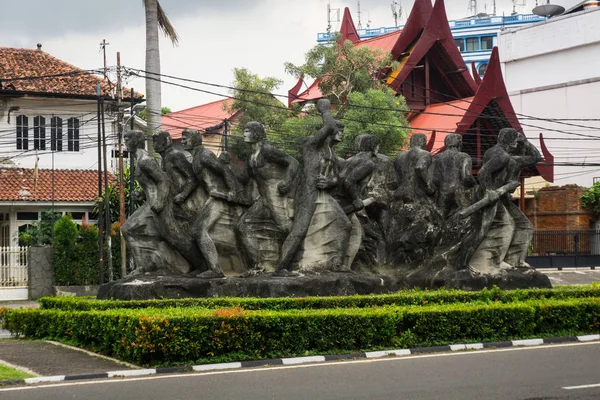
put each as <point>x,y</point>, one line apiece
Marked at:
<point>202,117</point>
<point>385,42</point>
<point>37,72</point>
<point>21,184</point>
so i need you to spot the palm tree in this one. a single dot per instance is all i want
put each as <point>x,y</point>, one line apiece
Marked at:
<point>155,18</point>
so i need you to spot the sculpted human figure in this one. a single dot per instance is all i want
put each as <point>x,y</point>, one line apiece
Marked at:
<point>186,192</point>
<point>263,228</point>
<point>321,228</point>
<point>223,205</point>
<point>506,242</point>
<point>151,234</point>
<point>415,220</point>
<point>370,178</point>
<point>452,176</point>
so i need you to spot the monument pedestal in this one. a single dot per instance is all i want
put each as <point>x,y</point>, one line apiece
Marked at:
<point>152,286</point>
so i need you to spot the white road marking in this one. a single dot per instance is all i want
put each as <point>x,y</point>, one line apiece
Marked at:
<point>387,353</point>
<point>275,368</point>
<point>212,367</point>
<point>582,386</point>
<point>302,360</point>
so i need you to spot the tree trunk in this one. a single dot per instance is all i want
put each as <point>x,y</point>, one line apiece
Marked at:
<point>153,90</point>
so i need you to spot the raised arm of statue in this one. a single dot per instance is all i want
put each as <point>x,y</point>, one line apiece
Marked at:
<point>329,123</point>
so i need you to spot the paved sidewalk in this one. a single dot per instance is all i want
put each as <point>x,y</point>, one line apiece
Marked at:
<point>49,359</point>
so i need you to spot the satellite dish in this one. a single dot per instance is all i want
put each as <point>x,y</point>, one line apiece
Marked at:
<point>548,10</point>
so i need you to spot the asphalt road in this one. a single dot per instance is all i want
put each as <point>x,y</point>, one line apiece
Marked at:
<point>533,373</point>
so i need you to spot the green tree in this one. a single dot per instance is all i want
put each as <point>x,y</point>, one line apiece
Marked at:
<point>40,233</point>
<point>591,198</point>
<point>343,68</point>
<point>163,111</point>
<point>378,112</point>
<point>113,197</point>
<point>253,99</point>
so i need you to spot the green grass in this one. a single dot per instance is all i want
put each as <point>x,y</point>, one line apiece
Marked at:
<point>8,373</point>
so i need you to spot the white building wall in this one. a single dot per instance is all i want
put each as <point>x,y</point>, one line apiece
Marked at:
<point>552,72</point>
<point>84,110</point>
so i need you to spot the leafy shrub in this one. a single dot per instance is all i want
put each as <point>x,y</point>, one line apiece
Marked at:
<point>186,335</point>
<point>75,253</point>
<point>410,297</point>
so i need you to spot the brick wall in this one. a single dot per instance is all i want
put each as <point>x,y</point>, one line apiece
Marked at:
<point>559,208</point>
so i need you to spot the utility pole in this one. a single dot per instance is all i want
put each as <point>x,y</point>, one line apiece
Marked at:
<point>103,49</point>
<point>120,129</point>
<point>100,205</point>
<point>107,229</point>
<point>359,26</point>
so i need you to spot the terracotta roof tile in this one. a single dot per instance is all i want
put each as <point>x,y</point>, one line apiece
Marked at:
<point>18,184</point>
<point>199,117</point>
<point>22,63</point>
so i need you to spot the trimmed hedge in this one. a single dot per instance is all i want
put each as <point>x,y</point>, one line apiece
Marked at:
<point>190,335</point>
<point>411,297</point>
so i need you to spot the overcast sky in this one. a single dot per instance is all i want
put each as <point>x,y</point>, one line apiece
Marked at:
<point>215,35</point>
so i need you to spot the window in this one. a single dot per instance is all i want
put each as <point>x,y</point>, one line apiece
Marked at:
<point>73,134</point>
<point>27,216</point>
<point>77,215</point>
<point>22,133</point>
<point>39,133</point>
<point>482,68</point>
<point>460,43</point>
<point>472,44</point>
<point>487,42</point>
<point>56,136</point>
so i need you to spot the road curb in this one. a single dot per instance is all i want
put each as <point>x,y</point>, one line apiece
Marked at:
<point>304,360</point>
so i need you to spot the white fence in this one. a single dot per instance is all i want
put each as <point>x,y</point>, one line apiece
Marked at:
<point>13,273</point>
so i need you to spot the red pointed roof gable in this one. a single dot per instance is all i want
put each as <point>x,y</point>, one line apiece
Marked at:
<point>492,88</point>
<point>416,22</point>
<point>437,33</point>
<point>348,30</point>
<point>293,92</point>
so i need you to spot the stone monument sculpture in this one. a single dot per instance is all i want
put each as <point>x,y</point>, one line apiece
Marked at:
<point>155,240</point>
<point>321,230</point>
<point>271,226</point>
<point>369,180</point>
<point>219,215</point>
<point>415,220</point>
<point>510,232</point>
<point>264,226</point>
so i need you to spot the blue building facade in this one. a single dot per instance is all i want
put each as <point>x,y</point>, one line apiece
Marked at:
<point>475,37</point>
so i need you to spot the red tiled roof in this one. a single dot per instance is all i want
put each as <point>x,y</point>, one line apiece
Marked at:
<point>312,93</point>
<point>443,118</point>
<point>23,63</point>
<point>18,184</point>
<point>199,117</point>
<point>383,42</point>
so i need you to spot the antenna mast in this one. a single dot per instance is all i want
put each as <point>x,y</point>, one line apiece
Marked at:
<point>396,11</point>
<point>359,26</point>
<point>473,7</point>
<point>329,10</point>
